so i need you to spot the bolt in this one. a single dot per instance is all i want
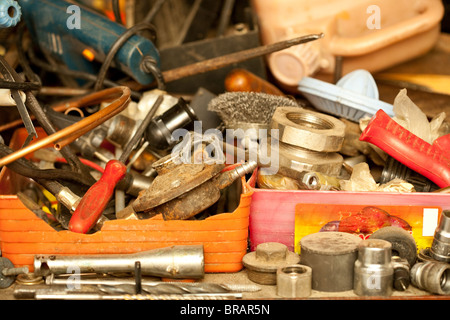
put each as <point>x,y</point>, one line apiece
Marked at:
<point>14,271</point>
<point>271,251</point>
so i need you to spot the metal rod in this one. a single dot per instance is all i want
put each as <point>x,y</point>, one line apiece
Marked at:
<point>52,280</point>
<point>49,295</point>
<point>219,62</point>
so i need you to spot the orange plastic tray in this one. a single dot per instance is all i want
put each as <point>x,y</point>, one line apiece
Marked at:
<point>23,235</point>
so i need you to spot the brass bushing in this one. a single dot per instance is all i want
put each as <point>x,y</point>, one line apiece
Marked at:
<point>263,263</point>
<point>308,129</point>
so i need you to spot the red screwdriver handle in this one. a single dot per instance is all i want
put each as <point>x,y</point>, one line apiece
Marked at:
<point>91,206</point>
<point>417,154</point>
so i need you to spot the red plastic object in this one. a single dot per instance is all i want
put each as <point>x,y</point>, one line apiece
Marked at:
<point>415,153</point>
<point>91,206</point>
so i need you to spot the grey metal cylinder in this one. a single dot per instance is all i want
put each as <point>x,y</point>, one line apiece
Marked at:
<point>432,276</point>
<point>440,247</point>
<point>332,256</point>
<point>171,262</point>
<point>294,281</point>
<point>374,271</point>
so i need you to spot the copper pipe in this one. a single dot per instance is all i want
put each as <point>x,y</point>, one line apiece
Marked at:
<point>72,132</point>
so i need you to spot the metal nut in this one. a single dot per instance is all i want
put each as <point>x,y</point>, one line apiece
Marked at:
<point>432,276</point>
<point>327,163</point>
<point>308,129</point>
<point>263,263</point>
<point>294,281</point>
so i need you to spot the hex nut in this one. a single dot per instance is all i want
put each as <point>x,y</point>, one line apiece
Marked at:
<point>308,129</point>
<point>294,281</point>
<point>263,263</point>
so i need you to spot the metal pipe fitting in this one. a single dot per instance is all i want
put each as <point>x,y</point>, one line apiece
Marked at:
<point>171,262</point>
<point>432,276</point>
<point>308,129</point>
<point>332,256</point>
<point>374,271</point>
<point>300,159</point>
<point>294,281</point>
<point>440,247</point>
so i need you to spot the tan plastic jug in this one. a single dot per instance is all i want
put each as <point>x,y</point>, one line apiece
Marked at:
<point>366,34</point>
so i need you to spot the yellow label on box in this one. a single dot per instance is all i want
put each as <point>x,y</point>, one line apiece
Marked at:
<point>363,220</point>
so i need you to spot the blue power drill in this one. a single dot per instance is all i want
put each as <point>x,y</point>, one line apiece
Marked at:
<point>64,30</point>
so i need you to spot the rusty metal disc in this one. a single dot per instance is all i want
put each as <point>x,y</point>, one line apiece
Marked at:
<point>174,183</point>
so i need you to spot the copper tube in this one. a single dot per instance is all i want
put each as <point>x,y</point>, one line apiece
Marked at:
<point>72,132</point>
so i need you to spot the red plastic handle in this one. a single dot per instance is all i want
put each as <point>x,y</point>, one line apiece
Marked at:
<point>415,153</point>
<point>91,206</point>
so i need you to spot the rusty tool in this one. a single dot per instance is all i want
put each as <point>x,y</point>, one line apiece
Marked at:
<point>91,206</point>
<point>219,62</point>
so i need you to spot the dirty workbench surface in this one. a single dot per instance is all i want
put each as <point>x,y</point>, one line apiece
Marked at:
<point>268,292</point>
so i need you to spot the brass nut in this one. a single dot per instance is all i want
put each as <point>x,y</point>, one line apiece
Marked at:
<point>308,129</point>
<point>294,281</point>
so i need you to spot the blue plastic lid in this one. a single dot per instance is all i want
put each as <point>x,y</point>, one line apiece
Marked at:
<point>353,97</point>
<point>10,13</point>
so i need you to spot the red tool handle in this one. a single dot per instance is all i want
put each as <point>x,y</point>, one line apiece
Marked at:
<point>415,153</point>
<point>91,206</point>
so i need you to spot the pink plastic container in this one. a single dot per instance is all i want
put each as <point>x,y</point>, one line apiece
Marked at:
<point>272,212</point>
<point>368,34</point>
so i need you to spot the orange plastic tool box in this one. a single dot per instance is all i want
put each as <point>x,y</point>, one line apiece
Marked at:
<point>23,235</point>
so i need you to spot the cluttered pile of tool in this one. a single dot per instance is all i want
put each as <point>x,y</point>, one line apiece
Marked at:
<point>339,261</point>
<point>137,150</point>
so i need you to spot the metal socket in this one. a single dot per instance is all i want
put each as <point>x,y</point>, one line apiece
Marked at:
<point>432,276</point>
<point>263,263</point>
<point>332,256</point>
<point>294,281</point>
<point>374,271</point>
<point>440,247</point>
<point>171,262</point>
<point>308,129</point>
